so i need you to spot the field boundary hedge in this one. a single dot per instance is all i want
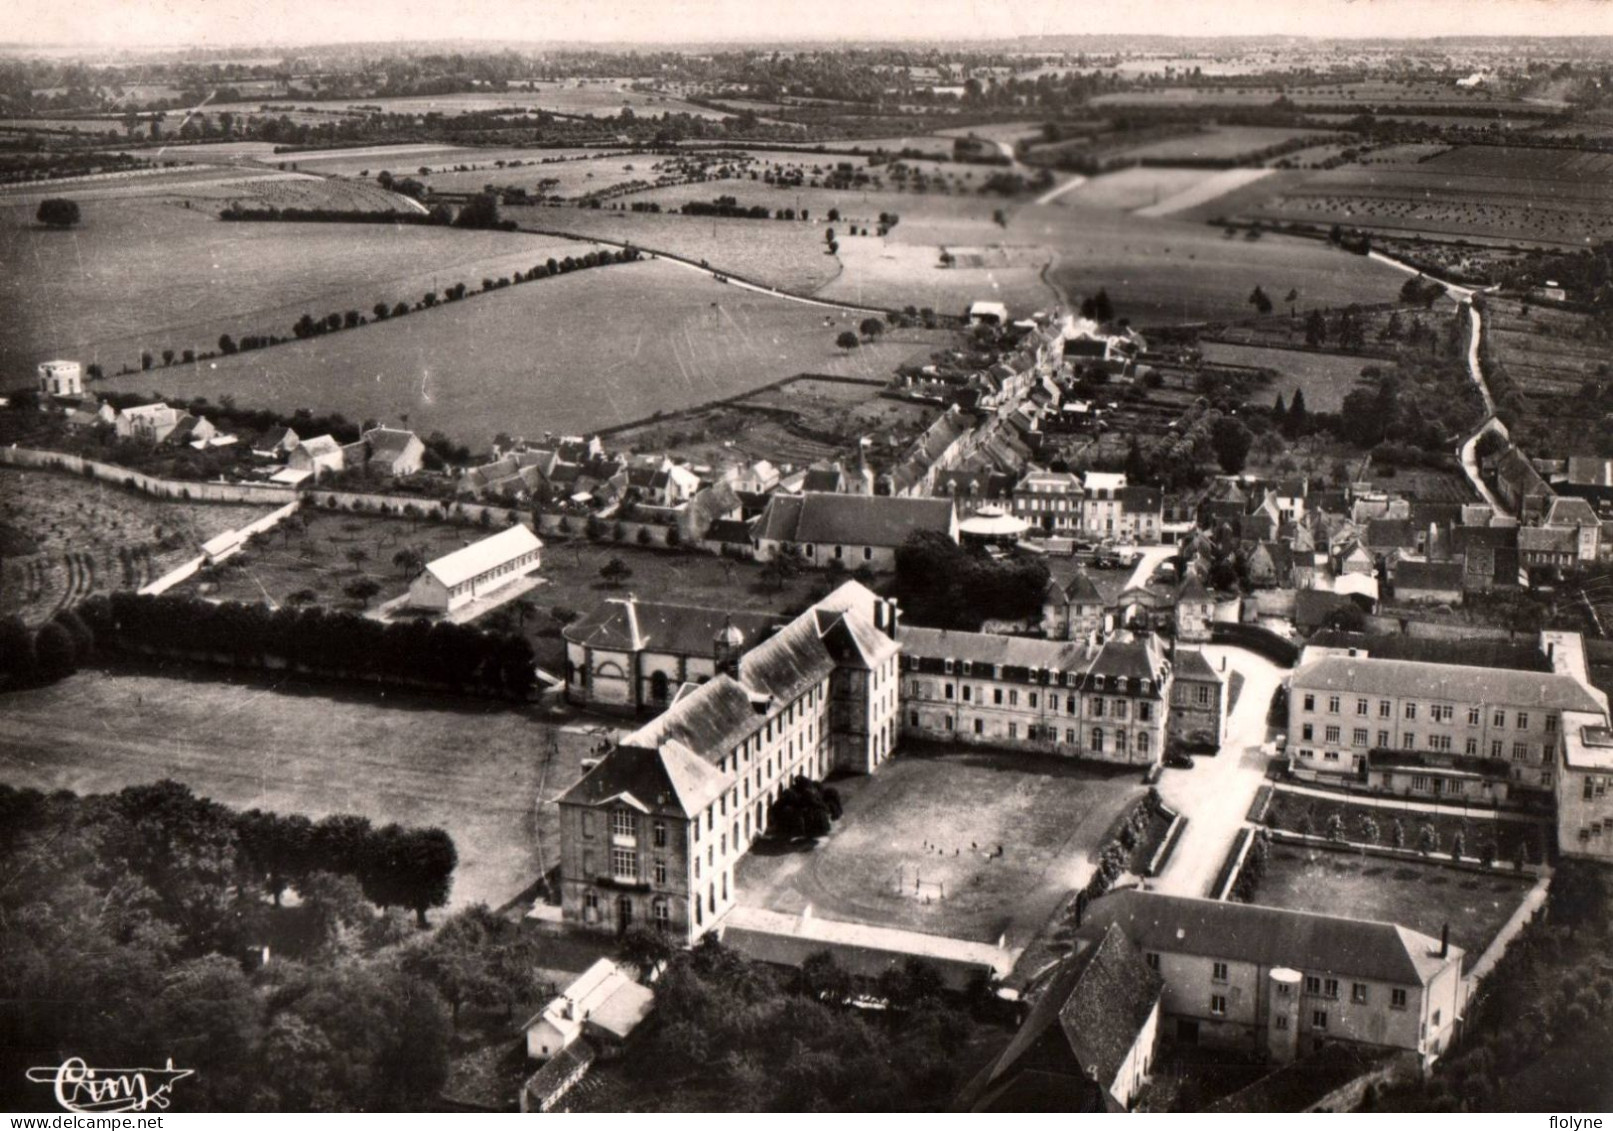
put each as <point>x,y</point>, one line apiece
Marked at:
<point>714,272</point>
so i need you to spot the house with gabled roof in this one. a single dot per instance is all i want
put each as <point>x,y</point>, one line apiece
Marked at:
<point>1073,610</point>
<point>275,442</point>
<point>1579,516</point>
<point>396,452</point>
<point>1087,1043</point>
<point>1438,583</point>
<point>1195,610</point>
<point>1200,701</point>
<point>854,530</point>
<point>1276,983</point>
<point>317,455</point>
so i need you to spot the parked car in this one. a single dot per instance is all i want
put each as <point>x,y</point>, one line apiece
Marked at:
<point>1178,760</point>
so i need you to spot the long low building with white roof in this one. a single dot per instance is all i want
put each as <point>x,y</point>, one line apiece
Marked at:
<point>461,577</point>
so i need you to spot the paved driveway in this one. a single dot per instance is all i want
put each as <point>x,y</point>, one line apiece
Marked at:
<point>1217,792</point>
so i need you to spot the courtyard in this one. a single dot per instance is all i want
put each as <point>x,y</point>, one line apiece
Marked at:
<point>1423,896</point>
<point>970,845</point>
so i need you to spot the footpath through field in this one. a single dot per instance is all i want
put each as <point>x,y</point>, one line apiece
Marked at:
<point>1217,792</point>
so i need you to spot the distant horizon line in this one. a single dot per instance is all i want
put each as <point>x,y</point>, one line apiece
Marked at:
<point>260,47</point>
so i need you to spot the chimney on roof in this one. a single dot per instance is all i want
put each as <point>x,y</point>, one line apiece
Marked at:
<point>1445,941</point>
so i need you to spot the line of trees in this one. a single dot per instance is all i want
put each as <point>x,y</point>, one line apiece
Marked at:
<point>437,217</point>
<point>325,642</point>
<point>55,649</point>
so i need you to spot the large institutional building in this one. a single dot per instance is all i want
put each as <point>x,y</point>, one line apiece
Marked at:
<point>1458,733</point>
<point>652,833</point>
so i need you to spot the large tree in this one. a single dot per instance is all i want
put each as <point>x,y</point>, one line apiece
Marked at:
<point>58,212</point>
<point>1231,440</point>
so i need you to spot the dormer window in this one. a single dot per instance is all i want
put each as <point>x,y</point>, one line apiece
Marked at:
<point>966,667</point>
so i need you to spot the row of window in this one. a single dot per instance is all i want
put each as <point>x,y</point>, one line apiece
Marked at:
<point>1100,740</point>
<point>1097,707</point>
<point>1119,683</point>
<point>1439,712</point>
<point>1439,743</point>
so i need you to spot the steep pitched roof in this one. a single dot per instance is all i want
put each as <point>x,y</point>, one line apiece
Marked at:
<point>1083,1024</point>
<point>1553,539</point>
<point>1391,534</point>
<point>1081,590</point>
<point>668,782</point>
<point>1569,511</point>
<point>629,624</point>
<point>1191,664</point>
<point>854,520</point>
<point>1270,936</point>
<point>1458,682</point>
<point>389,442</point>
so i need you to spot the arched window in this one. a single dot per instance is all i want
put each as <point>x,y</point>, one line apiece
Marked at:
<point>1097,740</point>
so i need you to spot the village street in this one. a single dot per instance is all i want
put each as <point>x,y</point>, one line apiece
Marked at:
<point>1217,792</point>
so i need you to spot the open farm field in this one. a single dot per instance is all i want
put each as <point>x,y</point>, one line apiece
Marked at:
<point>1161,271</point>
<point>995,131</point>
<point>592,97</point>
<point>899,273</point>
<point>567,354</point>
<point>1211,188</point>
<point>65,534</point>
<point>1130,189</point>
<point>1408,96</point>
<point>1326,378</point>
<point>1541,196</point>
<point>483,771</point>
<point>779,253</point>
<point>1226,143</point>
<point>408,160</point>
<point>112,290</point>
<point>185,183</point>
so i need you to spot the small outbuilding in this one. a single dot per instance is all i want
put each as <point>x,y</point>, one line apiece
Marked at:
<point>476,570</point>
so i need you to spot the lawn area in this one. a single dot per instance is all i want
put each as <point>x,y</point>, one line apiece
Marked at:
<point>484,772</point>
<point>938,818</point>
<point>1423,897</point>
<point>568,354</point>
<point>1326,378</point>
<point>116,288</point>
<point>1292,810</point>
<point>47,517</point>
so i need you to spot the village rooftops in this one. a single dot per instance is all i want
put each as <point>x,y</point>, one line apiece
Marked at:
<point>388,441</point>
<point>320,446</point>
<point>1191,664</point>
<point>990,649</point>
<point>1456,683</point>
<point>479,557</point>
<point>1270,937</point>
<point>630,625</point>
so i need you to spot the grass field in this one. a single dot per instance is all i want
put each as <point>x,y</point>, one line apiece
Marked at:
<point>1165,270</point>
<point>1541,196</point>
<point>1048,815</point>
<point>408,160</point>
<point>1227,143</point>
<point>67,516</point>
<point>109,289</point>
<point>779,253</point>
<point>567,354</point>
<point>1326,378</point>
<point>1424,897</point>
<point>478,770</point>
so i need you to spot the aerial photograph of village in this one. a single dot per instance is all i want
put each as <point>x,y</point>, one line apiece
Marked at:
<point>755,557</point>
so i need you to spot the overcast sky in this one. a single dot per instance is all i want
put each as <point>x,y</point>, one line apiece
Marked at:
<point>266,22</point>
